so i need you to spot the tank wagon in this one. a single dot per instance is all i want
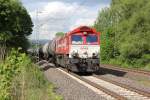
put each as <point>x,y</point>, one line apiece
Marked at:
<point>78,50</point>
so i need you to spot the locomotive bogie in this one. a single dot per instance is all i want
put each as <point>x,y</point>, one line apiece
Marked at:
<point>84,65</point>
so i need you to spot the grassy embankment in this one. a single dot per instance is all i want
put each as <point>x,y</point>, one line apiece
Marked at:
<point>117,62</point>
<point>22,80</point>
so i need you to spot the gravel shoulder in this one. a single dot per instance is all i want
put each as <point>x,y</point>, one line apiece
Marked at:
<point>69,88</point>
<point>137,78</point>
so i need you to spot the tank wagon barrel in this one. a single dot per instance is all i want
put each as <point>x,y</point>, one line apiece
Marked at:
<point>49,50</point>
<point>51,47</point>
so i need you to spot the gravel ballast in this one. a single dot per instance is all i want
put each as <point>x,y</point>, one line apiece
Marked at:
<point>69,88</point>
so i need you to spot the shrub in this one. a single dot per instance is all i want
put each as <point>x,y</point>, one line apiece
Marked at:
<point>20,79</point>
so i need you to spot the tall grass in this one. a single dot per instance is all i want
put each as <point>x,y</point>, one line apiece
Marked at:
<point>22,80</point>
<point>125,64</point>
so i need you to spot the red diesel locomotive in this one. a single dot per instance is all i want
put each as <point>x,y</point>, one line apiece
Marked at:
<point>77,50</point>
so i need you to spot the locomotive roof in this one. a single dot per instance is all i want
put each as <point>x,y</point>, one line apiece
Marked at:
<point>82,29</point>
<point>77,30</point>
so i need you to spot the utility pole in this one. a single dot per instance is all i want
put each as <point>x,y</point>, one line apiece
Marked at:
<point>37,36</point>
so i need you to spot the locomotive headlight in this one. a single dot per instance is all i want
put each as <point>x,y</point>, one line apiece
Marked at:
<point>95,55</point>
<point>75,54</point>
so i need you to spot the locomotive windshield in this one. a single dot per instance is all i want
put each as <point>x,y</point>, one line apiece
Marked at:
<point>77,39</point>
<point>91,39</point>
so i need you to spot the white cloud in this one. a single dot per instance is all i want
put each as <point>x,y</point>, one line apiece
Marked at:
<point>58,16</point>
<point>82,22</point>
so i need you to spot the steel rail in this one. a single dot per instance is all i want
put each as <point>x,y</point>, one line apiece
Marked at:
<point>144,93</point>
<point>107,91</point>
<point>125,69</point>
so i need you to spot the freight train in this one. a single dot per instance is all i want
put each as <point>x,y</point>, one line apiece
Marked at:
<point>77,51</point>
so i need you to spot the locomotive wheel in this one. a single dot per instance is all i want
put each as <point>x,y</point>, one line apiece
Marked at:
<point>50,60</point>
<point>97,68</point>
<point>66,60</point>
<point>68,68</point>
<point>56,64</point>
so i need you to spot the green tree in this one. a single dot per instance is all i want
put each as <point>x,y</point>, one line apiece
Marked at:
<point>59,34</point>
<point>15,20</point>
<point>125,28</point>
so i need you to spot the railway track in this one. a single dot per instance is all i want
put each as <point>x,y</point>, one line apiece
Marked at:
<point>113,89</point>
<point>110,89</point>
<point>109,94</point>
<point>124,93</point>
<point>147,94</point>
<point>125,69</point>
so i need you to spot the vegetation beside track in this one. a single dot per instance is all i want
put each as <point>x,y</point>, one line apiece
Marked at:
<point>20,79</point>
<point>125,33</point>
<point>15,26</point>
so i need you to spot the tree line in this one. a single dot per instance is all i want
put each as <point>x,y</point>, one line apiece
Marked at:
<point>15,25</point>
<point>125,32</point>
<point>20,79</point>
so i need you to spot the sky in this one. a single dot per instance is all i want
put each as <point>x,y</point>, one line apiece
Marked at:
<point>52,16</point>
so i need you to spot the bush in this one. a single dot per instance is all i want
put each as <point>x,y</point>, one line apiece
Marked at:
<point>9,69</point>
<point>22,80</point>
